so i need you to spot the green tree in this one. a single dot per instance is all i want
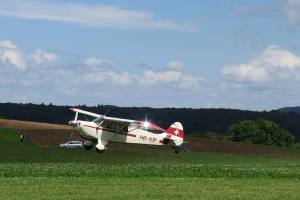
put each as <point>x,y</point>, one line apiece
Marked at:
<point>260,132</point>
<point>243,131</point>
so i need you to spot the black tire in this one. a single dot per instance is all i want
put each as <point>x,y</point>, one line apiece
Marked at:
<point>176,152</point>
<point>100,151</point>
<point>88,147</point>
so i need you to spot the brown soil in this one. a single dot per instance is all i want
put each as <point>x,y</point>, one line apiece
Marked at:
<point>42,134</point>
<point>212,145</point>
<point>25,125</point>
<point>45,134</point>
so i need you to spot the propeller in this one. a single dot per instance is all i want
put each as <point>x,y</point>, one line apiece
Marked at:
<point>72,132</point>
<point>74,123</point>
<point>71,135</point>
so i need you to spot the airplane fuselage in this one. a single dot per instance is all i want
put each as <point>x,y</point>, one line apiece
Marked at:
<point>91,131</point>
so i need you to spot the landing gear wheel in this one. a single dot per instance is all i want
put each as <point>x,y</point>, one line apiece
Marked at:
<point>88,147</point>
<point>100,151</point>
<point>176,152</point>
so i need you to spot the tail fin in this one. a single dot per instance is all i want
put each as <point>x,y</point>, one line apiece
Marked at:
<point>176,129</point>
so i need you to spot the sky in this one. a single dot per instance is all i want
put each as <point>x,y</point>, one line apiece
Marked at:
<point>172,53</point>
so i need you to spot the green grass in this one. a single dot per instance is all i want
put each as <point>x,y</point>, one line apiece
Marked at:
<point>12,151</point>
<point>153,188</point>
<point>31,172</point>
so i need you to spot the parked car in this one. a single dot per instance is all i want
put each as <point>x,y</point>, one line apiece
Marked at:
<point>71,145</point>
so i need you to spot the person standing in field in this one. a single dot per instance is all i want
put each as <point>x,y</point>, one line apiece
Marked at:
<point>21,137</point>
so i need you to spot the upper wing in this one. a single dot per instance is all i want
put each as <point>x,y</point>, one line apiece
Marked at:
<point>85,112</point>
<point>101,116</point>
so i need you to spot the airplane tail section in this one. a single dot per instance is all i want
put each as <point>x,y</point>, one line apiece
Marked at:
<point>176,129</point>
<point>176,134</point>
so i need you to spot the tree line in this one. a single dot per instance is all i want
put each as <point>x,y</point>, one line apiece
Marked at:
<point>195,121</point>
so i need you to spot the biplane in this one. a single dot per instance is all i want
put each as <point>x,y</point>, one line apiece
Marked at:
<point>103,130</point>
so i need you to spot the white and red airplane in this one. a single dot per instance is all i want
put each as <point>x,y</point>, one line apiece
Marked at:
<point>103,130</point>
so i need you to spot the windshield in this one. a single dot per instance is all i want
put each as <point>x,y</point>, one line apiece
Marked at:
<point>150,127</point>
<point>98,120</point>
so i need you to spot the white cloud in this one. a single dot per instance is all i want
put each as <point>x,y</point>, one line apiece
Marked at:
<point>147,79</point>
<point>7,44</point>
<point>109,78</point>
<point>172,77</point>
<point>175,65</point>
<point>273,64</point>
<point>292,10</point>
<point>9,54</point>
<point>40,56</point>
<point>120,79</point>
<point>277,57</point>
<point>247,72</point>
<point>94,61</point>
<point>93,15</point>
<point>87,82</point>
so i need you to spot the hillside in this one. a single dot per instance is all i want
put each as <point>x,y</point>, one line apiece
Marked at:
<point>51,135</point>
<point>295,109</point>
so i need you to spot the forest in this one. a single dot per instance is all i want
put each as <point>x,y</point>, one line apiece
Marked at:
<point>195,121</point>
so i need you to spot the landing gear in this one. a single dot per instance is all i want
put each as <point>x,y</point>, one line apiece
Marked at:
<point>100,147</point>
<point>88,145</point>
<point>100,151</point>
<point>180,148</point>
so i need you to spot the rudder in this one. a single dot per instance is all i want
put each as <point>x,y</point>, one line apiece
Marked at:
<point>176,129</point>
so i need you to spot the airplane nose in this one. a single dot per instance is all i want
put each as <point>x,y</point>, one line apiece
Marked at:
<point>74,123</point>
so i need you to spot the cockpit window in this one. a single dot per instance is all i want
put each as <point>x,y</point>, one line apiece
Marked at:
<point>98,121</point>
<point>155,131</point>
<point>119,127</point>
<point>147,126</point>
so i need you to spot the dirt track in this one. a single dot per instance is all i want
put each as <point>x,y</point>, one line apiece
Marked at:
<point>45,134</point>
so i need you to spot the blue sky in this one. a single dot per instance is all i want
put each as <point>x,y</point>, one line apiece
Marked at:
<point>229,54</point>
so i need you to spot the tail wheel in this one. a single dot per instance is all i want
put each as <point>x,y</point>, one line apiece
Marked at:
<point>181,148</point>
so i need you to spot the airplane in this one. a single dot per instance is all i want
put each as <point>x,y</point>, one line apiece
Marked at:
<point>103,130</point>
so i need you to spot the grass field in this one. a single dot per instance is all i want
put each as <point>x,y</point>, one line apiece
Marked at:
<point>31,172</point>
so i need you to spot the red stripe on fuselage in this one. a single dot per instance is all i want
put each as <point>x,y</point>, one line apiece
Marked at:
<point>91,126</point>
<point>129,134</point>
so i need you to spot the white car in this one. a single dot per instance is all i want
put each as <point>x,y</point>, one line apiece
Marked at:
<point>71,145</point>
